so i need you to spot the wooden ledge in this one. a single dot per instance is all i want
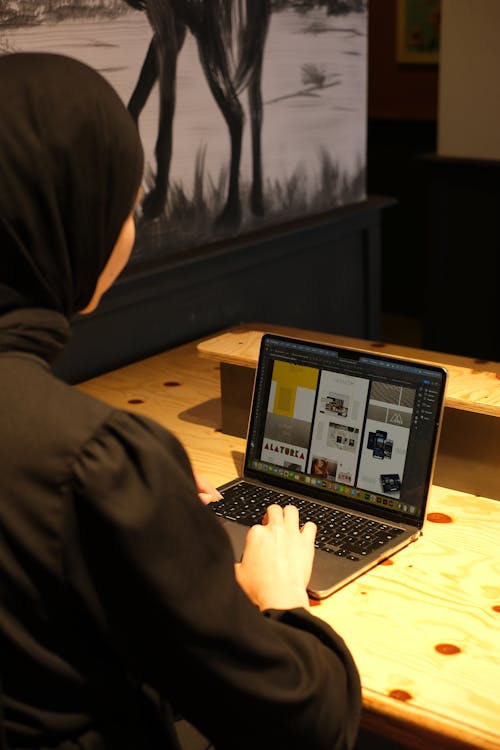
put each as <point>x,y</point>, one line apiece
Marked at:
<point>473,385</point>
<point>470,435</point>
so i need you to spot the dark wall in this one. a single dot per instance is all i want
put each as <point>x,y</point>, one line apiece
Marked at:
<point>394,168</point>
<point>322,274</point>
<point>440,243</point>
<point>402,107</point>
<point>461,310</point>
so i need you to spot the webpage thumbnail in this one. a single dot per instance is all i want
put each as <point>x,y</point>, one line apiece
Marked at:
<point>289,415</point>
<point>338,423</point>
<point>385,443</point>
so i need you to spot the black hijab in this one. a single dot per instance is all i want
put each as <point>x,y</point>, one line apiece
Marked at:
<point>71,163</point>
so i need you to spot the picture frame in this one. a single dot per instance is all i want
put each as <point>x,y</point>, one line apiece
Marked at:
<point>418,31</point>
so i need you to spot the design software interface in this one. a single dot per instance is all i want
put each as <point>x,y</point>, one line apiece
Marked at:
<point>361,426</point>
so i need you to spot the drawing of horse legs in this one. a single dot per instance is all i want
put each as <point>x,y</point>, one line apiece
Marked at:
<point>227,100</point>
<point>256,116</point>
<point>225,85</point>
<point>169,32</point>
<point>160,64</point>
<point>147,79</point>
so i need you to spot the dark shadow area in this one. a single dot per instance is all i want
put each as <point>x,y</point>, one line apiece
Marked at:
<point>370,741</point>
<point>238,458</point>
<point>207,414</point>
<point>394,150</point>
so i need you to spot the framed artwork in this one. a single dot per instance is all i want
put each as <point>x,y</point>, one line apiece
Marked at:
<point>249,120</point>
<point>418,29</point>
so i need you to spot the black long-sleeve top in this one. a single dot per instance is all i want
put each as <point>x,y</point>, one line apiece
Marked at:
<point>119,605</point>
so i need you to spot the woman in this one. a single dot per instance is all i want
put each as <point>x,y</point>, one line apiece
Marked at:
<point>120,605</point>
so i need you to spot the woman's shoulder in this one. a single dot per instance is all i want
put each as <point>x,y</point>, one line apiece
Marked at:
<point>99,424</point>
<point>51,421</point>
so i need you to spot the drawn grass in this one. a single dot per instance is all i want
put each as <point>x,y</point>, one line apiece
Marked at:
<point>189,220</point>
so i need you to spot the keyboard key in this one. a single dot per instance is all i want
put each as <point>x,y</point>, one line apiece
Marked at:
<point>339,532</point>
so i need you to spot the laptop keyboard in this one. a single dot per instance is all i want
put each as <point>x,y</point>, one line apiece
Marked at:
<point>339,532</point>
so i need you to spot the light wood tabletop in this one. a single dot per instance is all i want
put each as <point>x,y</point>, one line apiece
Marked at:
<point>424,627</point>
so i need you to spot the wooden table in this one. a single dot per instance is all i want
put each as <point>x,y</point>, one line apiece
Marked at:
<point>424,627</point>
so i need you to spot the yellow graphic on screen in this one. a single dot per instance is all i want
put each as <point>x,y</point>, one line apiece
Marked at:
<point>288,378</point>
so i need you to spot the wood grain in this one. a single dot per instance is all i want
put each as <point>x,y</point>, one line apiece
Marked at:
<point>441,590</point>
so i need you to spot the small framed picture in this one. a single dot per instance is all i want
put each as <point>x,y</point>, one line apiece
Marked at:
<point>418,30</point>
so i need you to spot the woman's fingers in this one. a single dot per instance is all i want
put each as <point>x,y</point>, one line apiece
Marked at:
<point>290,517</point>
<point>308,531</point>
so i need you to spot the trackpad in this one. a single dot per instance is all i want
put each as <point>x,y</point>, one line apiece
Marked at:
<point>237,534</point>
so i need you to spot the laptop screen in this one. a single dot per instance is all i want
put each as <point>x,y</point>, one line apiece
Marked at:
<point>346,426</point>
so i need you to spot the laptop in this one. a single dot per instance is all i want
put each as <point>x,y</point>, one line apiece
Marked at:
<point>348,436</point>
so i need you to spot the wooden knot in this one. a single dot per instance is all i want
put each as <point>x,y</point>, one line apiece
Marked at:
<point>136,401</point>
<point>439,518</point>
<point>496,608</point>
<point>171,383</point>
<point>447,649</point>
<point>400,695</point>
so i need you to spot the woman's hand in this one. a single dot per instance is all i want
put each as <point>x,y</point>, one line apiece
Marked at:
<point>277,560</point>
<point>206,491</point>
